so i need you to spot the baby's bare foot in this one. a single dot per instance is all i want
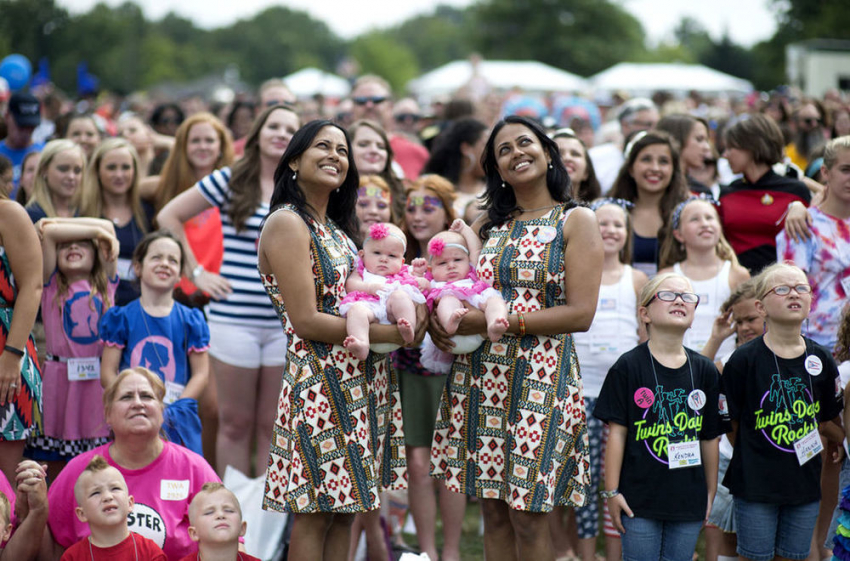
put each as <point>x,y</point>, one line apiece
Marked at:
<point>358,348</point>
<point>454,320</point>
<point>497,328</point>
<point>406,330</point>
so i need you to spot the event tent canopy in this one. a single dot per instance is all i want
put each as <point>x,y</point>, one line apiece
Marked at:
<point>646,78</point>
<point>310,81</point>
<point>529,75</point>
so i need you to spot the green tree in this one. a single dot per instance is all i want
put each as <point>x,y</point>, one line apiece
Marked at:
<point>378,53</point>
<point>581,36</point>
<point>29,27</point>
<point>437,38</point>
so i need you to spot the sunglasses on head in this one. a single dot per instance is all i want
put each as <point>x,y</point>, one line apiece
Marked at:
<point>670,296</point>
<point>363,100</point>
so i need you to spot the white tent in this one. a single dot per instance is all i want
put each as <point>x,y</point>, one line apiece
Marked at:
<point>645,78</point>
<point>310,81</point>
<point>531,76</point>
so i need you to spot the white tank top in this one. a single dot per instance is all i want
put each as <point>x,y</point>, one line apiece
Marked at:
<point>612,333</point>
<point>712,293</point>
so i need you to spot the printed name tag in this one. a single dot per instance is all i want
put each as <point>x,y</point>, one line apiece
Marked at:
<point>684,454</point>
<point>173,391</point>
<point>81,369</point>
<point>174,490</point>
<point>808,447</point>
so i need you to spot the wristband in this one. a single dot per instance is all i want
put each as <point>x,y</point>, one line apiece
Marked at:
<point>609,494</point>
<point>197,271</point>
<point>14,350</point>
<point>521,320</point>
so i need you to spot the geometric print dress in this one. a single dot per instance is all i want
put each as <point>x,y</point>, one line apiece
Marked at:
<point>21,417</point>
<point>512,423</point>
<point>338,439</point>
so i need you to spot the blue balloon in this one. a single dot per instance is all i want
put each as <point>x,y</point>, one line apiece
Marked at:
<point>17,71</point>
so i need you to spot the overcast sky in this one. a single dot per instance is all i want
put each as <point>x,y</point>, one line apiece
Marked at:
<point>747,21</point>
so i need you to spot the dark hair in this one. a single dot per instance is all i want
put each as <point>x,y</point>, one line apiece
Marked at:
<point>159,110</point>
<point>625,186</point>
<point>760,136</point>
<point>245,172</point>
<point>500,202</point>
<point>287,191</point>
<point>589,189</point>
<point>235,109</point>
<point>446,158</point>
<point>141,250</point>
<point>680,126</point>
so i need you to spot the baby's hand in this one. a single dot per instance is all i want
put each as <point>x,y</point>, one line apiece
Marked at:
<point>458,225</point>
<point>419,266</point>
<point>375,288</point>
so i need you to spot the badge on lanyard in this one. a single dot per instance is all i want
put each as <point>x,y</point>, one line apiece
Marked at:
<point>808,447</point>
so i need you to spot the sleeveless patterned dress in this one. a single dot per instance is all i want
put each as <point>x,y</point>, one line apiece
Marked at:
<point>338,439</point>
<point>512,423</point>
<point>20,418</point>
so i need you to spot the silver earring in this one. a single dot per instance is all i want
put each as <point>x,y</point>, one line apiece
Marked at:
<point>294,175</point>
<point>551,166</point>
<point>503,184</point>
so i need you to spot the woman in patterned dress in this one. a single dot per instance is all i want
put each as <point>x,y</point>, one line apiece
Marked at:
<point>20,295</point>
<point>512,426</point>
<point>337,439</point>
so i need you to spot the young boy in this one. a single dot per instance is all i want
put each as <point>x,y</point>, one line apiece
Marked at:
<point>215,522</point>
<point>5,519</point>
<point>103,502</point>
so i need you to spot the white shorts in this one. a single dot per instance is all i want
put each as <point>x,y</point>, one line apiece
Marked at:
<point>247,346</point>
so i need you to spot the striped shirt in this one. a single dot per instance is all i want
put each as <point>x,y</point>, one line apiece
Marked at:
<point>248,304</point>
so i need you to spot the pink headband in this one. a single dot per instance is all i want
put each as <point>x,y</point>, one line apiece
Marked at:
<point>437,246</point>
<point>380,231</point>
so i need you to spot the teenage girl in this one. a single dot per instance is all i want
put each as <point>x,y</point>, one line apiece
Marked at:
<point>79,258</point>
<point>162,335</point>
<point>650,178</point>
<point>782,394</point>
<point>695,248</point>
<point>660,401</point>
<point>614,331</point>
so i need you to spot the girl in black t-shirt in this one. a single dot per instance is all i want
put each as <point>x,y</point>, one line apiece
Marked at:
<point>782,393</point>
<point>661,402</point>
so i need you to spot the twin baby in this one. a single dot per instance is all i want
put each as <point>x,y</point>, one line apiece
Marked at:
<point>386,290</point>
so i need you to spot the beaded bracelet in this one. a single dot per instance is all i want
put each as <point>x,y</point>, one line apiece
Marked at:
<point>521,320</point>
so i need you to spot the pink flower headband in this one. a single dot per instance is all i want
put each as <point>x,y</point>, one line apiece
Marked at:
<point>380,231</point>
<point>437,246</point>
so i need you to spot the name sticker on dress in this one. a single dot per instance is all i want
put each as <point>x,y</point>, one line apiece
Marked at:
<point>808,447</point>
<point>814,366</point>
<point>174,489</point>
<point>684,454</point>
<point>644,398</point>
<point>173,391</point>
<point>82,369</point>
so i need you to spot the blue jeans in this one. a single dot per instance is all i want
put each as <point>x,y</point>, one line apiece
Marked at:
<point>647,539</point>
<point>767,530</point>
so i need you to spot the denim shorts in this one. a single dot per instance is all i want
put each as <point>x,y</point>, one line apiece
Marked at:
<point>767,530</point>
<point>659,539</point>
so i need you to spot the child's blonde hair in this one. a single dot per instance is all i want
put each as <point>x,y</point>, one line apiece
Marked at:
<point>41,195</point>
<point>209,488</point>
<point>672,251</point>
<point>623,205</point>
<point>98,279</point>
<point>648,291</point>
<point>97,464</point>
<point>762,281</point>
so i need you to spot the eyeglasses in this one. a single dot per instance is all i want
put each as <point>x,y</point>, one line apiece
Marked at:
<point>811,121</point>
<point>785,290</point>
<point>403,117</point>
<point>274,102</point>
<point>670,296</point>
<point>363,100</point>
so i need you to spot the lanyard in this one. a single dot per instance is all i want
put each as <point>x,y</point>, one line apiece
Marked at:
<point>693,385</point>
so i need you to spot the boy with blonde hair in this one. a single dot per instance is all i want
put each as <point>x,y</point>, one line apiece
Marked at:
<point>215,522</point>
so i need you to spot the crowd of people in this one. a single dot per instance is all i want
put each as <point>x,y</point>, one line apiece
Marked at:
<point>627,317</point>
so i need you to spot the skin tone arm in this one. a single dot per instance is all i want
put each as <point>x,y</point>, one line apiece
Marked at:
<point>23,249</point>
<point>177,212</point>
<point>291,261</point>
<point>55,233</point>
<point>721,329</point>
<point>832,430</point>
<point>418,268</point>
<point>148,187</point>
<point>583,256</point>
<point>617,505</point>
<point>710,451</point>
<point>31,509</point>
<point>199,366</point>
<point>355,283</point>
<point>470,237</point>
<point>110,360</point>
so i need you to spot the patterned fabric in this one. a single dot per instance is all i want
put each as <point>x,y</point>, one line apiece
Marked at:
<point>338,438</point>
<point>512,424</point>
<point>21,417</point>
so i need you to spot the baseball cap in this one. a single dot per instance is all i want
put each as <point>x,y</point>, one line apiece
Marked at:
<point>24,108</point>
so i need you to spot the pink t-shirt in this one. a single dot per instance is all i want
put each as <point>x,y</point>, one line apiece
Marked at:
<point>72,409</point>
<point>162,491</point>
<point>10,494</point>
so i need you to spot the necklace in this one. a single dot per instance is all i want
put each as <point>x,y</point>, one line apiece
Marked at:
<point>524,210</point>
<point>135,549</point>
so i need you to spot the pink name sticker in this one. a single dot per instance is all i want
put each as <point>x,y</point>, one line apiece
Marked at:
<point>644,398</point>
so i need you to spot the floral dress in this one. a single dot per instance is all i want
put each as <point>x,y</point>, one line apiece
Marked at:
<point>21,417</point>
<point>512,423</point>
<point>338,438</point>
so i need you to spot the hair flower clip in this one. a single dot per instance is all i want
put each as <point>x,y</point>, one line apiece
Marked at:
<point>378,231</point>
<point>436,246</point>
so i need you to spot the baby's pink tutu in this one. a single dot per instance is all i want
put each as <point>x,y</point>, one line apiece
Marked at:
<point>474,291</point>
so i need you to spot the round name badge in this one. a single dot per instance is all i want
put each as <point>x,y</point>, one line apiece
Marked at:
<point>546,234</point>
<point>814,366</point>
<point>696,400</point>
<point>644,398</point>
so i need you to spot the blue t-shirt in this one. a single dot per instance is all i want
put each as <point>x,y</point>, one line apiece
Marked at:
<point>17,158</point>
<point>160,344</point>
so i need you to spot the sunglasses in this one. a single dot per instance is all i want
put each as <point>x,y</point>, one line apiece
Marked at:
<point>811,121</point>
<point>670,296</point>
<point>363,100</point>
<point>785,290</point>
<point>273,102</point>
<point>404,117</point>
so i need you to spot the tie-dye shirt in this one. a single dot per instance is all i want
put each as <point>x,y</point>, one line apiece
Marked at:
<point>825,257</point>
